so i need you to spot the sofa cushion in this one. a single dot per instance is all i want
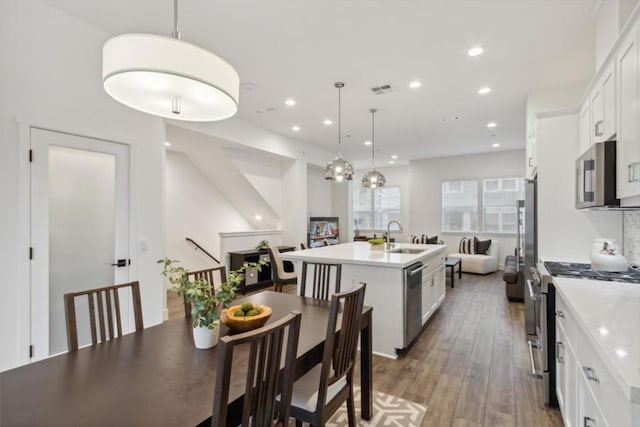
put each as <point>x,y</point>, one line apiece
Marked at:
<point>466,246</point>
<point>481,246</point>
<point>476,263</point>
<point>510,269</point>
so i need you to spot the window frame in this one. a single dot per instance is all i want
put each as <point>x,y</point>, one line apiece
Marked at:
<point>372,212</point>
<point>442,207</point>
<point>501,178</point>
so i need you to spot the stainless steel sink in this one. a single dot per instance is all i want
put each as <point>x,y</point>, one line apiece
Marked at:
<point>406,251</point>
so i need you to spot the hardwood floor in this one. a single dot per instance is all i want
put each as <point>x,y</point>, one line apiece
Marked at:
<point>470,365</point>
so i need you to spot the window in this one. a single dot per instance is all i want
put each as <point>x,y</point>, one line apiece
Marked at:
<point>460,206</point>
<point>499,199</point>
<point>373,208</point>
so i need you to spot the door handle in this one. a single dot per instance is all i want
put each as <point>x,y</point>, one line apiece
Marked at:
<point>598,128</point>
<point>531,293</point>
<point>121,263</point>
<point>559,357</point>
<point>590,373</point>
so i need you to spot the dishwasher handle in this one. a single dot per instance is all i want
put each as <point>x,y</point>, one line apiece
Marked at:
<point>417,270</point>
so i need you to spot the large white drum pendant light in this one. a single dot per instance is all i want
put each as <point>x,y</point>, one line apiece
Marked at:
<point>168,77</point>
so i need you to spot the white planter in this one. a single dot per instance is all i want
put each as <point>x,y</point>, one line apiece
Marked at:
<point>204,337</point>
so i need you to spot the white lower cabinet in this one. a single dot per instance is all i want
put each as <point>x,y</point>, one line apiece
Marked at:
<point>565,378</point>
<point>587,393</point>
<point>433,287</point>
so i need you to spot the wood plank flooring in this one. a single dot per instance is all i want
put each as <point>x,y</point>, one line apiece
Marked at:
<point>470,365</point>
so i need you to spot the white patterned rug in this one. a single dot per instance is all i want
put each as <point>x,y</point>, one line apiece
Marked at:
<point>388,411</point>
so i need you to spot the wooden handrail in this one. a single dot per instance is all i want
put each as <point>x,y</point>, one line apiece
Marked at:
<point>202,249</point>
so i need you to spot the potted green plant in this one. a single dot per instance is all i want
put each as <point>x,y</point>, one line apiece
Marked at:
<point>205,303</point>
<point>263,244</point>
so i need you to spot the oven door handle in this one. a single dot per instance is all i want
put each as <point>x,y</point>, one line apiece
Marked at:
<point>536,373</point>
<point>533,296</point>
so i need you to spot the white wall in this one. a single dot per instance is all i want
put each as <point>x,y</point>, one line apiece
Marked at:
<point>319,198</point>
<point>426,178</point>
<point>565,232</point>
<point>51,68</point>
<point>196,209</point>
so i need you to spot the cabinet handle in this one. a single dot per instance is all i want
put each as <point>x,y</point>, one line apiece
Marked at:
<point>530,160</point>
<point>590,422</point>
<point>590,373</point>
<point>559,357</point>
<point>633,173</point>
<point>598,128</point>
<point>560,313</point>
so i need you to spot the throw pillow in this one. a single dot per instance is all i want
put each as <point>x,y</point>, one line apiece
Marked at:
<point>432,240</point>
<point>482,246</point>
<point>466,246</point>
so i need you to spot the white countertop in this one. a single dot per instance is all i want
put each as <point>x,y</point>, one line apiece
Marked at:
<point>609,313</point>
<point>361,253</point>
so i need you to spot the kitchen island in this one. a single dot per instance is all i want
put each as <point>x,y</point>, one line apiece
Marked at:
<point>401,302</point>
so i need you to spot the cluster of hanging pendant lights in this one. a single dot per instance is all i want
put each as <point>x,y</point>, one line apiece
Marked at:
<point>340,169</point>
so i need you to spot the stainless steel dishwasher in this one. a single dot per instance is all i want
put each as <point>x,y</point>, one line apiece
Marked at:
<point>412,301</point>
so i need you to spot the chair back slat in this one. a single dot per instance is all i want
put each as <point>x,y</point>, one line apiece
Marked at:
<point>265,380</point>
<point>108,300</point>
<point>116,299</point>
<point>213,276</point>
<point>321,277</point>
<point>340,348</point>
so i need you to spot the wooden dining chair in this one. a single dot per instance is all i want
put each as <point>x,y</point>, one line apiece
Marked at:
<point>324,277</point>
<point>268,388</point>
<point>215,275</point>
<point>279,277</point>
<point>107,302</point>
<point>319,393</point>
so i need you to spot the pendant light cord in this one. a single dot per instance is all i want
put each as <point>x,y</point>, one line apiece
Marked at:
<point>373,137</point>
<point>339,116</point>
<point>175,33</point>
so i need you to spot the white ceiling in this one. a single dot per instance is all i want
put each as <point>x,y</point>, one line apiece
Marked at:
<point>299,48</point>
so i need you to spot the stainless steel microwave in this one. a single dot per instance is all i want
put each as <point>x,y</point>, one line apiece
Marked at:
<point>596,177</point>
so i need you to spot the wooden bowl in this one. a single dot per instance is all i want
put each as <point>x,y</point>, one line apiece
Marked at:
<point>244,323</point>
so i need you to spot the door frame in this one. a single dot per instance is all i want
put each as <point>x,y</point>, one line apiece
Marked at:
<point>28,351</point>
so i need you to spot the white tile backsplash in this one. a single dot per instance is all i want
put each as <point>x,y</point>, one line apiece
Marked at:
<point>631,230</point>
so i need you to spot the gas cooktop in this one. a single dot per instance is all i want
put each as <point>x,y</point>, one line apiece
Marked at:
<point>584,271</point>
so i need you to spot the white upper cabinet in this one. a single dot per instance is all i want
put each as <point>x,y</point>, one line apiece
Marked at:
<point>628,117</point>
<point>584,130</point>
<point>531,166</point>
<point>603,107</point>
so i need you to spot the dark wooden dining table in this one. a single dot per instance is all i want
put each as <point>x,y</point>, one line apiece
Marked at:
<point>156,376</point>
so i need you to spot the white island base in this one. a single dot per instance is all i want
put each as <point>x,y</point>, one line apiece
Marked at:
<point>383,272</point>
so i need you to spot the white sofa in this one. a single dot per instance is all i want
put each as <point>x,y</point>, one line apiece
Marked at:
<point>478,263</point>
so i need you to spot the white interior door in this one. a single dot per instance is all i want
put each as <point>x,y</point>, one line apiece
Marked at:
<point>79,230</point>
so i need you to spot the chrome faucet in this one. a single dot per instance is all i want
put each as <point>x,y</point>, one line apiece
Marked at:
<point>387,245</point>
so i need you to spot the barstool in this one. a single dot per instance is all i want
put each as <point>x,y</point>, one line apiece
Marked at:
<point>279,277</point>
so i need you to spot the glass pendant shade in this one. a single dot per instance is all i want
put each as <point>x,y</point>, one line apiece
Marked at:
<point>373,178</point>
<point>339,169</point>
<point>170,78</point>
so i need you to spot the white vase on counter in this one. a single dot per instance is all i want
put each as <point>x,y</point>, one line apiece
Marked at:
<point>205,338</point>
<point>606,256</point>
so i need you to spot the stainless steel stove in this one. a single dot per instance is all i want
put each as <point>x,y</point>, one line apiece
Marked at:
<point>584,271</point>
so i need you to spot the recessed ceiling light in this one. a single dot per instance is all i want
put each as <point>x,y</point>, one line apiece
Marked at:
<point>327,122</point>
<point>391,162</point>
<point>496,145</point>
<point>367,143</point>
<point>290,102</point>
<point>167,143</point>
<point>394,157</point>
<point>484,90</point>
<point>621,352</point>
<point>415,84</point>
<point>475,51</point>
<point>258,217</point>
<point>603,331</point>
<point>295,128</point>
<point>491,124</point>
